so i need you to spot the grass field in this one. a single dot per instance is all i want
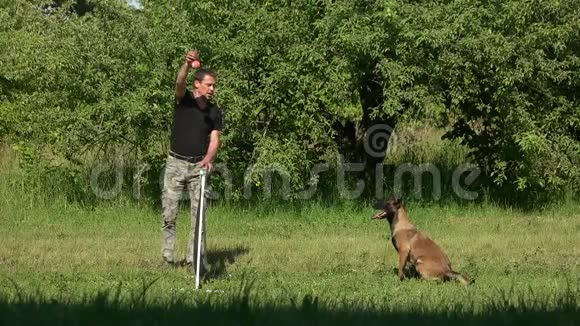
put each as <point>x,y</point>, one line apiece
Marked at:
<point>65,264</point>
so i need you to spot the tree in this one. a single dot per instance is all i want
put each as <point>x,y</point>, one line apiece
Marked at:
<point>301,81</point>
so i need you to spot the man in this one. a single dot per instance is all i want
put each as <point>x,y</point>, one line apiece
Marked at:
<point>194,144</point>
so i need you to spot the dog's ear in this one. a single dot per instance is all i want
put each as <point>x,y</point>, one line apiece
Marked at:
<point>399,202</point>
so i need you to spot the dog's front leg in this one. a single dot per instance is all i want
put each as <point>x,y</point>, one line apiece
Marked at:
<point>403,258</point>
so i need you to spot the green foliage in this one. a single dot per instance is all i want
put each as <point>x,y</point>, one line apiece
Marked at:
<point>79,87</point>
<point>512,81</point>
<point>300,82</point>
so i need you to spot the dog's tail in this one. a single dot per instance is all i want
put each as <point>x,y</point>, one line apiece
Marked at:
<point>458,277</point>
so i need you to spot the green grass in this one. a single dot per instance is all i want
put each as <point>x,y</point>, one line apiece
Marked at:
<point>316,264</point>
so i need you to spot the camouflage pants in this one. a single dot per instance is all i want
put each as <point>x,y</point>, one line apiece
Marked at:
<point>181,175</point>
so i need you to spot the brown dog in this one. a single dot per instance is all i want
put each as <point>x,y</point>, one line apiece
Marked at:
<point>415,247</point>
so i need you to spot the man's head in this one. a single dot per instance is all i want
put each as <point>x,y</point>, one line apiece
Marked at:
<point>204,83</point>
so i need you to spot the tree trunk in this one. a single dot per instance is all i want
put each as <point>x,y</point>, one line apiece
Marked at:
<point>367,142</point>
<point>376,130</point>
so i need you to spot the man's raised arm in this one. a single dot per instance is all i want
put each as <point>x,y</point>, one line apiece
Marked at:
<point>180,83</point>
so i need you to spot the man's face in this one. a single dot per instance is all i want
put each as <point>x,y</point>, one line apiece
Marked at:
<point>205,87</point>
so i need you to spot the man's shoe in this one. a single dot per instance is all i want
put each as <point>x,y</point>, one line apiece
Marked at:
<point>185,263</point>
<point>169,263</point>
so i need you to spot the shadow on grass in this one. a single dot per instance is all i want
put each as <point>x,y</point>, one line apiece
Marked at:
<point>409,272</point>
<point>219,259</point>
<point>243,308</point>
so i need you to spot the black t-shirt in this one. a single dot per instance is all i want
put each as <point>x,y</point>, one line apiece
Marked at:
<point>192,125</point>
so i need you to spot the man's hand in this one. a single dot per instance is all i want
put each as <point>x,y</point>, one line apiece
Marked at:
<point>191,56</point>
<point>206,164</point>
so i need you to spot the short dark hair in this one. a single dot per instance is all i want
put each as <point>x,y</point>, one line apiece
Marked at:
<point>201,73</point>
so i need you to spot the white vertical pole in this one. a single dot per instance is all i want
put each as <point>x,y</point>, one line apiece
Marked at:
<point>203,173</point>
